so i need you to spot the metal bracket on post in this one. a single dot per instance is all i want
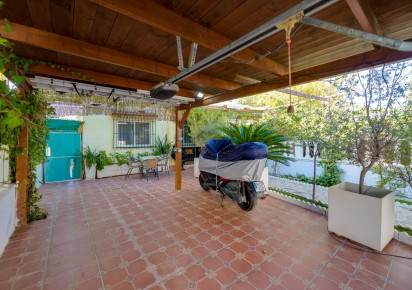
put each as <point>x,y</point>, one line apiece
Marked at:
<point>192,57</point>
<point>179,53</point>
<point>359,34</point>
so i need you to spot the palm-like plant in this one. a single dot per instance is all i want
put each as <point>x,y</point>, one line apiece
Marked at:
<point>162,146</point>
<point>239,134</point>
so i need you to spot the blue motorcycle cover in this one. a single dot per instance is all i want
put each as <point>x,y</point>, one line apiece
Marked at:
<point>243,162</point>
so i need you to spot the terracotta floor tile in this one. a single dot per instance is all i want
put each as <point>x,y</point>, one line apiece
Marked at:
<point>240,285</point>
<point>177,282</point>
<point>323,283</point>
<point>94,283</point>
<point>114,276</point>
<point>226,255</point>
<point>401,274</point>
<point>226,276</point>
<point>212,263</point>
<point>195,273</point>
<point>60,282</point>
<point>208,284</point>
<point>258,279</point>
<point>166,268</point>
<point>143,280</point>
<point>360,285</point>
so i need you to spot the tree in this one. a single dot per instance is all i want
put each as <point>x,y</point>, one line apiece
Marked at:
<point>367,123</point>
<point>275,141</point>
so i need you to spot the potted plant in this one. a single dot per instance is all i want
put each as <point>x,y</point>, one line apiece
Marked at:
<point>366,126</point>
<point>89,157</point>
<point>162,147</point>
<point>275,141</point>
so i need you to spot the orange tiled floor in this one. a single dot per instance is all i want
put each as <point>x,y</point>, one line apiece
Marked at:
<point>116,234</point>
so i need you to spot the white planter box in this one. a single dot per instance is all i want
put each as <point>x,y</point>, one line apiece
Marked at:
<point>109,170</point>
<point>90,172</point>
<point>364,218</point>
<point>265,178</point>
<point>196,166</point>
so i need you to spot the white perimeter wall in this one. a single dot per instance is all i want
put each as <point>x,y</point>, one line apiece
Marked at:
<point>304,165</point>
<point>8,217</point>
<point>4,167</point>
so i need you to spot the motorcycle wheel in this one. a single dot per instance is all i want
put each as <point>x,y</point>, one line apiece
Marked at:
<point>251,200</point>
<point>202,183</point>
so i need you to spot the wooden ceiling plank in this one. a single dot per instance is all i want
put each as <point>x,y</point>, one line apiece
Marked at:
<point>84,14</point>
<point>350,64</point>
<point>120,30</point>
<point>102,26</point>
<point>76,47</point>
<point>40,12</point>
<point>17,11</point>
<point>99,78</point>
<point>164,19</point>
<point>62,15</point>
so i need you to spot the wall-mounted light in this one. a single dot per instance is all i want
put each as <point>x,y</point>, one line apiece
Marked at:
<point>199,95</point>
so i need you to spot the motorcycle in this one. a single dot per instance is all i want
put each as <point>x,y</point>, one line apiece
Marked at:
<point>234,171</point>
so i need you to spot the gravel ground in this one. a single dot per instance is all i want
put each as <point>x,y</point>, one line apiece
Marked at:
<point>403,212</point>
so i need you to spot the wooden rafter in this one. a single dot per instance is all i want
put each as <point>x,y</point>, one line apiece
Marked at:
<point>249,81</point>
<point>158,16</point>
<point>184,118</point>
<point>58,43</point>
<point>99,78</point>
<point>363,12</point>
<point>303,95</point>
<point>345,65</point>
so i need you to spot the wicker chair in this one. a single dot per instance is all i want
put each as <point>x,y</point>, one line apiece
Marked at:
<point>133,165</point>
<point>150,165</point>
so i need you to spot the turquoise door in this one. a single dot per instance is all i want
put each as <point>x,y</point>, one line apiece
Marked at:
<point>63,160</point>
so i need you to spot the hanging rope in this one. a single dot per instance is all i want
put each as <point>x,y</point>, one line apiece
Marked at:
<point>288,25</point>
<point>291,109</point>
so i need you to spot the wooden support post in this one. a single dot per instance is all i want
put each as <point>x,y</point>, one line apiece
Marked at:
<point>22,167</point>
<point>178,153</point>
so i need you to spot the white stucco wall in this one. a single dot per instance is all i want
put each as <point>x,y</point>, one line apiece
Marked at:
<point>304,165</point>
<point>8,217</point>
<point>4,166</point>
<point>98,134</point>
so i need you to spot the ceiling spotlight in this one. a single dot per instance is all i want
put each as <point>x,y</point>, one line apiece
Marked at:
<point>199,95</point>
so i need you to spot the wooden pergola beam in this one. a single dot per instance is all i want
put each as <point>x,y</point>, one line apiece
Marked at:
<point>63,44</point>
<point>158,16</point>
<point>363,12</point>
<point>302,95</point>
<point>249,81</point>
<point>99,78</point>
<point>350,64</point>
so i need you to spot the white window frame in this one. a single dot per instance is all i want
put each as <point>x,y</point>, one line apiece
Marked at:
<point>134,145</point>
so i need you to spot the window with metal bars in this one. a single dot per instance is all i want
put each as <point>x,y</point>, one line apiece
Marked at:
<point>134,134</point>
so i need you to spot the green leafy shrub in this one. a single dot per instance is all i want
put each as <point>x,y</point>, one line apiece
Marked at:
<point>102,159</point>
<point>303,178</point>
<point>119,157</point>
<point>331,173</point>
<point>89,157</point>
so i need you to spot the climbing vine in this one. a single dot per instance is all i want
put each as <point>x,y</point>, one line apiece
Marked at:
<point>15,111</point>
